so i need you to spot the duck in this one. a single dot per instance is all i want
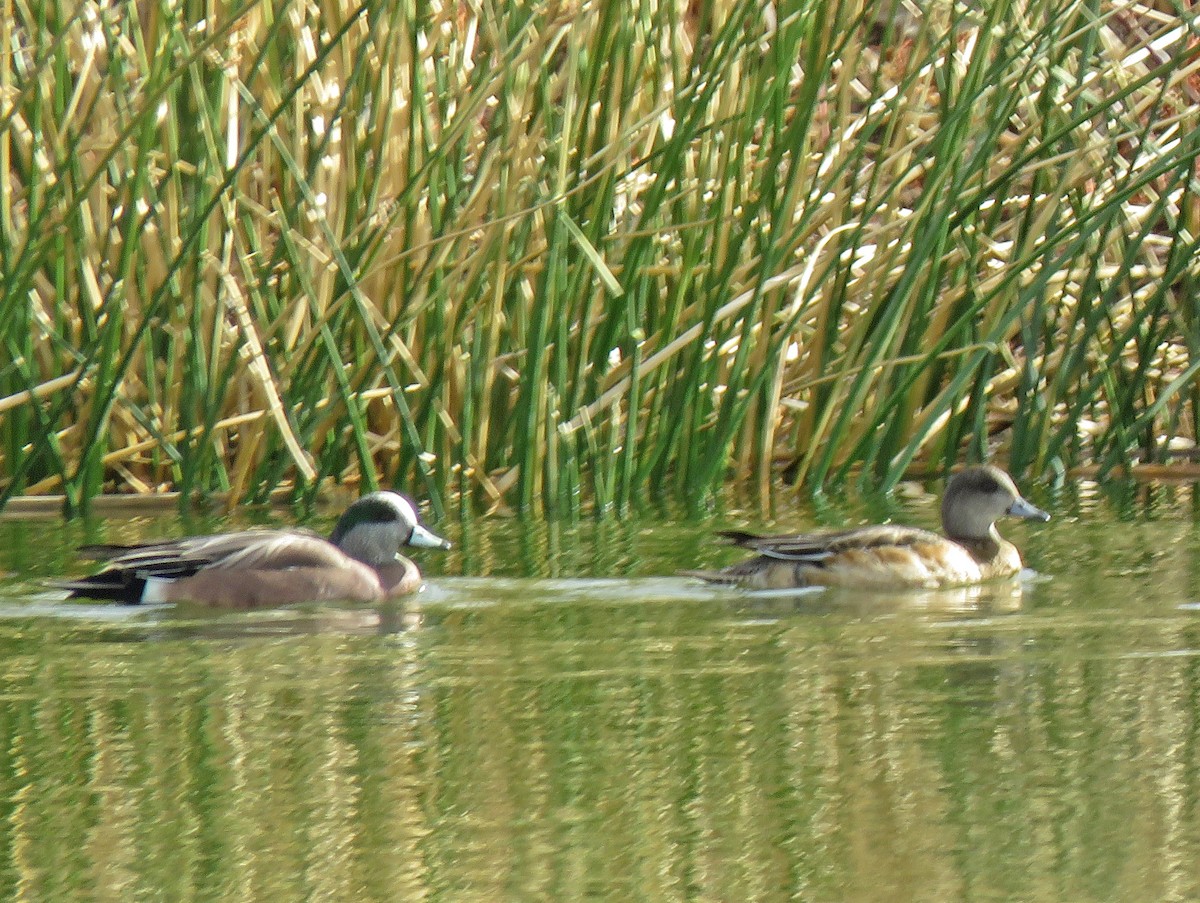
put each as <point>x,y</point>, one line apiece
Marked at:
<point>359,562</point>
<point>889,556</point>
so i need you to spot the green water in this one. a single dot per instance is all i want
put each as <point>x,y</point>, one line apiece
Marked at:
<point>559,718</point>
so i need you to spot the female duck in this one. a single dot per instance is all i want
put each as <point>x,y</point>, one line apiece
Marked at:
<point>895,557</point>
<point>360,562</point>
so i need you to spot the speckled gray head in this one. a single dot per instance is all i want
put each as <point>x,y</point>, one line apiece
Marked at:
<point>375,527</point>
<point>977,496</point>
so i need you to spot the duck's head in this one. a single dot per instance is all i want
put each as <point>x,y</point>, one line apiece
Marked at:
<point>977,497</point>
<point>374,528</point>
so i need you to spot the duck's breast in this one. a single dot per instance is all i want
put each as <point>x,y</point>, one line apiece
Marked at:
<point>400,579</point>
<point>999,560</point>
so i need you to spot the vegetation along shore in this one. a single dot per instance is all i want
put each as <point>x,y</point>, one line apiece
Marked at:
<point>553,256</point>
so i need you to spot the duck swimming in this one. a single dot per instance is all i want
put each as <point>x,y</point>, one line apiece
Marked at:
<point>894,557</point>
<point>360,562</point>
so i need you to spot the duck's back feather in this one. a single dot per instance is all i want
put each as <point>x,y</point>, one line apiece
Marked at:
<point>258,549</point>
<point>878,557</point>
<point>822,546</point>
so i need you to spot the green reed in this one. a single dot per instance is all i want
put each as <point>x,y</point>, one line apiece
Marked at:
<point>571,257</point>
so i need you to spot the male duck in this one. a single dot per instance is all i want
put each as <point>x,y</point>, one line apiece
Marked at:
<point>359,562</point>
<point>894,557</point>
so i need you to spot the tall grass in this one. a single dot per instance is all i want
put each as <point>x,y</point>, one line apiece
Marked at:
<point>550,256</point>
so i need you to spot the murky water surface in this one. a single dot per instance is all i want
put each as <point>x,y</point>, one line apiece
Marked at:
<point>559,718</point>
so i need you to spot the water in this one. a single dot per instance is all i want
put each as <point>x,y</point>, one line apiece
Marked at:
<point>570,721</point>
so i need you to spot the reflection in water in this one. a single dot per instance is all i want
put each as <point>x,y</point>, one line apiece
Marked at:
<point>545,749</point>
<point>612,739</point>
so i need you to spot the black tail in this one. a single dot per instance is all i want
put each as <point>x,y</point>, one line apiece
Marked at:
<point>740,537</point>
<point>112,586</point>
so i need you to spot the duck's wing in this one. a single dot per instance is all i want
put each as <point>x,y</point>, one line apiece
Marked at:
<point>170,558</point>
<point>876,557</point>
<point>251,549</point>
<point>277,550</point>
<point>818,547</point>
<point>128,567</point>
